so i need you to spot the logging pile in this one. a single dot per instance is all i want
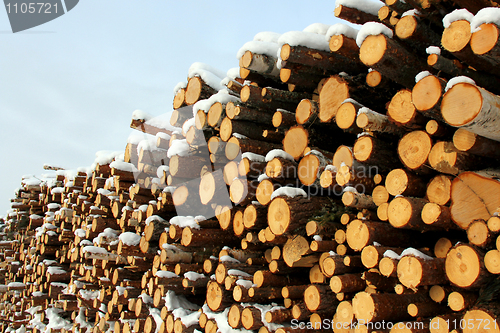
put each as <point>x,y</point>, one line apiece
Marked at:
<point>338,179</point>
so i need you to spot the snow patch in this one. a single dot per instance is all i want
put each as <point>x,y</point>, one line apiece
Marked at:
<point>290,192</point>
<point>253,157</point>
<point>433,50</point>
<point>485,15</point>
<point>130,238</point>
<point>179,147</point>
<point>372,29</point>
<point>457,15</point>
<point>307,39</point>
<point>278,153</point>
<point>317,28</point>
<point>269,49</point>
<point>458,79</point>
<point>342,29</point>
<point>266,36</point>
<point>421,75</point>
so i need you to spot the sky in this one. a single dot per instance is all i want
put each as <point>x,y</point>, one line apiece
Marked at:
<point>68,87</point>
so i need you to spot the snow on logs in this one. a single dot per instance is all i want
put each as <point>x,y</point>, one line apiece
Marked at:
<point>303,177</point>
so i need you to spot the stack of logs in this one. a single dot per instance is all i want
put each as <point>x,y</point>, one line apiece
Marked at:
<point>352,202</point>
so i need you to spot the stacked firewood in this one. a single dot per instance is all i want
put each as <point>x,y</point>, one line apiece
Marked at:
<point>337,180</point>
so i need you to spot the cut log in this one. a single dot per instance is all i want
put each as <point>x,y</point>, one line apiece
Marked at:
<point>358,200</point>
<point>465,267</point>
<point>473,197</point>
<point>455,68</point>
<point>403,182</point>
<point>360,179</point>
<point>371,254</point>
<point>417,33</point>
<point>414,149</point>
<point>310,168</point>
<point>391,59</point>
<point>245,128</point>
<point>479,234</point>
<point>377,307</point>
<point>217,297</point>
<point>485,319</point>
<point>283,118</point>
<point>241,112</point>
<point>402,112</point>
<point>237,145</point>
<point>405,212</point>
<point>472,143</point>
<point>318,297</point>
<point>437,216</point>
<point>260,63</point>
<point>330,62</point>
<point>370,150</point>
<point>461,300</point>
<point>484,42</point>
<point>456,38</point>
<point>371,121</point>
<point>307,112</point>
<point>344,46</point>
<point>283,168</point>
<point>445,158</point>
<point>336,89</point>
<point>439,190</point>
<point>416,271</point>
<point>426,96</point>
<point>346,116</point>
<point>196,90</point>
<point>360,234</point>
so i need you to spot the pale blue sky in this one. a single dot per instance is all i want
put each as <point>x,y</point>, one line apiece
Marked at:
<point>68,87</point>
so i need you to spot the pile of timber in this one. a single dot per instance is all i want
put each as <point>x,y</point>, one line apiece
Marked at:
<point>346,183</point>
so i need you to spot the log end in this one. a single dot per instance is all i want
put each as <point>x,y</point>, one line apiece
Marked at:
<point>485,39</point>
<point>457,36</point>
<point>296,141</point>
<point>373,49</point>
<point>426,93</point>
<point>461,104</point>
